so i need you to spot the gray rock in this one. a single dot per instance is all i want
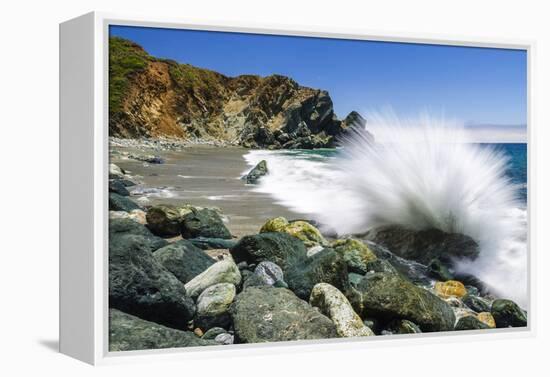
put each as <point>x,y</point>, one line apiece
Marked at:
<point>257,172</point>
<point>121,203</point>
<point>269,272</point>
<point>141,286</point>
<point>508,314</point>
<point>115,172</point>
<point>225,339</point>
<point>268,314</point>
<point>183,259</point>
<point>332,303</point>
<point>225,271</point>
<point>213,332</point>
<point>204,222</point>
<point>213,306</point>
<point>389,296</point>
<point>118,227</point>
<point>128,333</point>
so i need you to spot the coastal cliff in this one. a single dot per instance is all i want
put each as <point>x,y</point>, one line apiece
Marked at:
<point>153,98</point>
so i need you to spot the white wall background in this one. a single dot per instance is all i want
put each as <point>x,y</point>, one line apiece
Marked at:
<point>29,183</point>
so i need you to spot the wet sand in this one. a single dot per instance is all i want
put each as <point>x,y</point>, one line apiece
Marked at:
<point>204,176</point>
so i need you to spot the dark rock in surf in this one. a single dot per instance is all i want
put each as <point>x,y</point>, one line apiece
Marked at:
<point>183,259</point>
<point>508,314</point>
<point>257,172</point>
<point>470,323</point>
<point>425,245</point>
<point>127,333</point>
<point>268,314</point>
<point>121,203</point>
<point>389,296</point>
<point>118,187</point>
<point>203,222</point>
<point>439,271</point>
<point>121,227</point>
<point>141,286</point>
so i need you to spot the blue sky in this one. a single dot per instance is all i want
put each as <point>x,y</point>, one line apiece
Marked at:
<point>479,86</point>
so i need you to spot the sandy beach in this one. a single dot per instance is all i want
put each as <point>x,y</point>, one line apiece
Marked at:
<point>205,176</point>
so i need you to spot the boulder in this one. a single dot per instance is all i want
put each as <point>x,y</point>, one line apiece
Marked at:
<point>450,288</point>
<point>116,186</point>
<point>213,332</point>
<point>302,230</point>
<point>470,323</point>
<point>212,243</point>
<point>268,314</point>
<point>183,259</point>
<point>332,303</point>
<point>124,226</point>
<point>141,286</point>
<point>269,273</point>
<point>213,306</point>
<point>121,203</point>
<point>165,219</point>
<point>389,296</point>
<point>225,271</point>
<point>477,304</point>
<point>403,326</point>
<point>136,215</point>
<point>508,314</point>
<point>225,339</point>
<point>487,318</point>
<point>203,222</point>
<point>327,266</point>
<point>257,172</point>
<point>128,333</point>
<point>279,248</point>
<point>356,254</point>
<point>425,245</point>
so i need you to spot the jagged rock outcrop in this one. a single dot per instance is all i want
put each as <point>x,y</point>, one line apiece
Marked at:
<point>151,97</point>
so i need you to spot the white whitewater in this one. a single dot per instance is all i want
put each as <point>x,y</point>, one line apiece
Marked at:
<point>421,173</point>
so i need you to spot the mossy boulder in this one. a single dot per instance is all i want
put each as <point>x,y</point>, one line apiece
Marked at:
<point>165,219</point>
<point>213,306</point>
<point>389,296</point>
<point>141,286</point>
<point>477,304</point>
<point>304,231</point>
<point>203,222</point>
<point>269,314</point>
<point>487,318</point>
<point>183,259</point>
<point>206,243</point>
<point>403,326</point>
<point>129,333</point>
<point>450,288</point>
<point>332,303</point>
<point>508,314</point>
<point>356,254</point>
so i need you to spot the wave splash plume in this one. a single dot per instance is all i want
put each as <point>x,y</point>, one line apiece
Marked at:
<point>420,173</point>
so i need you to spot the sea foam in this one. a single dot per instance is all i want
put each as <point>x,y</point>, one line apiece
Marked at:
<point>419,173</point>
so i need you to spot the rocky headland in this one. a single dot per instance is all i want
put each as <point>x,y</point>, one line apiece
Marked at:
<point>152,98</point>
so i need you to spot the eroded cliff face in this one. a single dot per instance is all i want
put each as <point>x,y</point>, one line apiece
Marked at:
<point>152,97</point>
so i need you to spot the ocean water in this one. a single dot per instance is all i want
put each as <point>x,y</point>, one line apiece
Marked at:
<point>476,189</point>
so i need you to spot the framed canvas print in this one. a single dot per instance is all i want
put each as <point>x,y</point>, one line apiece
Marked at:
<point>234,189</point>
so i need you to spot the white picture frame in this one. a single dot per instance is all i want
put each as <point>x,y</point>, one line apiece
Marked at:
<point>84,176</point>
